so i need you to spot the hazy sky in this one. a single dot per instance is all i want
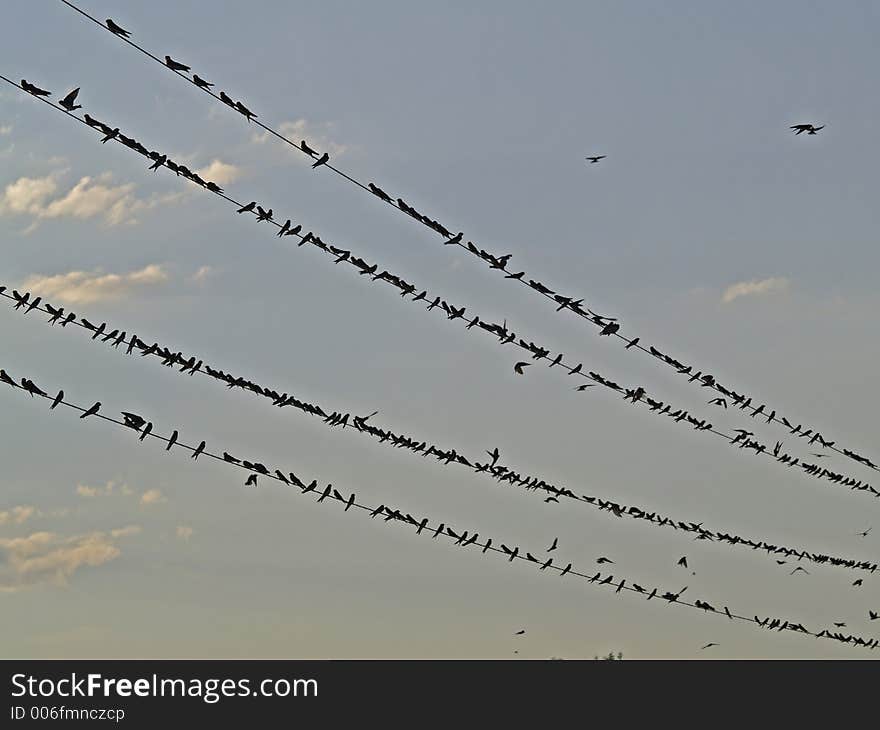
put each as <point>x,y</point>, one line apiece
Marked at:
<point>480,115</point>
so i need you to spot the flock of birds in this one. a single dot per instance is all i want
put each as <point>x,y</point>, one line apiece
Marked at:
<point>608,326</point>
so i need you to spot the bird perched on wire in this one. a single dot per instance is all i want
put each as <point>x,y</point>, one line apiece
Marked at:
<point>245,111</point>
<point>322,160</point>
<point>91,411</point>
<point>247,208</point>
<point>68,102</point>
<point>308,150</point>
<point>594,160</point>
<point>35,90</point>
<point>175,65</point>
<point>117,30</point>
<point>200,82</point>
<point>378,192</point>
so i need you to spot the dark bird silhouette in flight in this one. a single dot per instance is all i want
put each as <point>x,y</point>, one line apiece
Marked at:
<point>594,160</point>
<point>801,569</point>
<point>873,615</point>
<point>200,82</point>
<point>35,90</point>
<point>495,454</point>
<point>520,632</point>
<point>322,160</point>
<point>585,386</point>
<point>112,134</point>
<point>808,128</point>
<point>683,562</point>
<point>92,411</point>
<point>602,560</point>
<point>865,533</point>
<point>554,545</point>
<point>718,402</point>
<point>551,499</point>
<point>247,208</point>
<point>245,111</point>
<point>708,645</point>
<point>857,582</point>
<point>251,481</point>
<point>58,399</point>
<point>308,150</point>
<point>199,450</point>
<point>840,624</point>
<point>518,368</point>
<point>113,28</point>
<point>69,101</point>
<point>174,65</point>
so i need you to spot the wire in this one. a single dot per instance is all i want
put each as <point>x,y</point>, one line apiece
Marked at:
<point>460,538</point>
<point>568,303</point>
<point>446,456</point>
<point>502,332</point>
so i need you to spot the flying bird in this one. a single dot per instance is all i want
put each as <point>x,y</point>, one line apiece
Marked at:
<point>520,632</point>
<point>857,582</point>
<point>865,533</point>
<point>801,569</point>
<point>708,645</point>
<point>113,28</point>
<point>518,368</point>
<point>873,615</point>
<point>594,160</point>
<point>68,102</point>
<point>174,65</point>
<point>554,545</point>
<point>251,481</point>
<point>92,411</point>
<point>683,562</point>
<point>603,559</point>
<point>322,160</point>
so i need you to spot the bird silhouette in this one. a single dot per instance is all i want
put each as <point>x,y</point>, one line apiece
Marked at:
<point>172,440</point>
<point>175,65</point>
<point>264,215</point>
<point>199,450</point>
<point>709,644</point>
<point>245,111</point>
<point>159,162</point>
<point>378,192</point>
<point>200,82</point>
<point>91,411</point>
<point>58,399</point>
<point>594,160</point>
<point>683,562</point>
<point>308,150</point>
<point>114,28</point>
<point>68,102</point>
<point>551,499</point>
<point>35,90</point>
<point>873,615</point>
<point>251,481</point>
<point>226,100</point>
<point>520,632</point>
<point>554,545</point>
<point>799,568</point>
<point>857,582</point>
<point>518,368</point>
<point>112,134</point>
<point>808,128</point>
<point>865,533</point>
<point>247,208</point>
<point>602,560</point>
<point>322,160</point>
<point>146,432</point>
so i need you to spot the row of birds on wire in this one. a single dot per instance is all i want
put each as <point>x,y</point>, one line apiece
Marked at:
<point>332,418</point>
<point>743,440</point>
<point>609,325</point>
<point>464,538</point>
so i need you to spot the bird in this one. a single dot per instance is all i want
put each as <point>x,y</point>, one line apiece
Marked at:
<point>801,569</point>
<point>284,229</point>
<point>520,632</point>
<point>35,90</point>
<point>160,160</point>
<point>226,100</point>
<point>68,101</point>
<point>308,150</point>
<point>683,562</point>
<point>594,160</point>
<point>91,411</point>
<point>200,82</point>
<point>146,431</point>
<point>199,450</point>
<point>264,215</point>
<point>58,399</point>
<point>840,624</point>
<point>112,134</point>
<point>551,499</point>
<point>495,454</point>
<point>603,559</point>
<point>251,481</point>
<point>172,441</point>
<point>808,128</point>
<point>244,110</point>
<point>133,420</point>
<point>873,615</point>
<point>585,386</point>
<point>554,545</point>
<point>610,328</point>
<point>865,533</point>
<point>518,368</point>
<point>247,208</point>
<point>708,645</point>
<point>378,192</point>
<point>113,28</point>
<point>322,160</point>
<point>857,582</point>
<point>174,65</point>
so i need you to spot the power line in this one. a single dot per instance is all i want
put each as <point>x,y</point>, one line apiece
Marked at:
<point>502,332</point>
<point>462,538</point>
<point>567,303</point>
<point>446,456</point>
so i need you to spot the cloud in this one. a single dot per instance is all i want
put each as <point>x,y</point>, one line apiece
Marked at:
<point>82,287</point>
<point>753,287</point>
<point>5,129</point>
<point>220,172</point>
<point>108,489</point>
<point>152,496</point>
<point>88,198</point>
<point>45,557</point>
<point>316,135</point>
<point>184,532</point>
<point>17,515</point>
<point>202,274</point>
<point>126,531</point>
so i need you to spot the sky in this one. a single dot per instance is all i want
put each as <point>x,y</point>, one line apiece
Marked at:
<point>710,230</point>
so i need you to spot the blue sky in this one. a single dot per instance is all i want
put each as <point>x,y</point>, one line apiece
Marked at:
<point>479,114</point>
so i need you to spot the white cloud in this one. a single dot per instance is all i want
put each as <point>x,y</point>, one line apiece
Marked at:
<point>202,274</point>
<point>753,287</point>
<point>108,489</point>
<point>45,557</point>
<point>152,496</point>
<point>220,172</point>
<point>5,129</point>
<point>317,136</point>
<point>184,532</point>
<point>126,531</point>
<point>82,287</point>
<point>88,198</point>
<point>17,515</point>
